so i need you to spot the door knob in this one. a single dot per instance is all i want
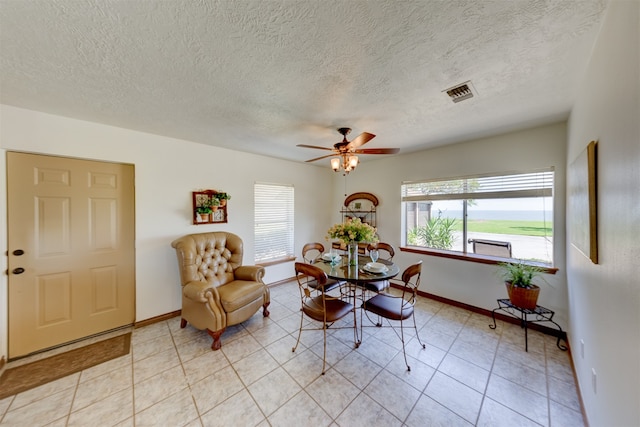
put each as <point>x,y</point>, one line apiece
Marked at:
<point>18,252</point>
<point>18,270</point>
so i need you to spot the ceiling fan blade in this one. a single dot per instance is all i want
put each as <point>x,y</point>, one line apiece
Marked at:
<point>314,146</point>
<point>323,157</point>
<point>378,151</point>
<point>361,139</point>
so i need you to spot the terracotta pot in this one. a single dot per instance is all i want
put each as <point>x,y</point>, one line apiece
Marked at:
<point>223,202</point>
<point>204,217</point>
<point>526,298</point>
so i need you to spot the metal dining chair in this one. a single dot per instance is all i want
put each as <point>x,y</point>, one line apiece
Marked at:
<point>399,308</point>
<point>312,253</point>
<point>386,252</point>
<point>320,306</point>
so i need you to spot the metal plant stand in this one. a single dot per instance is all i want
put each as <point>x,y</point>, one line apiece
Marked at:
<point>526,316</point>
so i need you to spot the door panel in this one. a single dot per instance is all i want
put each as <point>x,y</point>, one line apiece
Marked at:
<point>52,222</point>
<point>53,299</point>
<point>74,220</point>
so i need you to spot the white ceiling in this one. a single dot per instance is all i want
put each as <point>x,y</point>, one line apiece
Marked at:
<point>263,75</point>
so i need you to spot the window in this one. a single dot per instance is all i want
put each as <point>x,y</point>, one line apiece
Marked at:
<point>273,221</point>
<point>508,215</point>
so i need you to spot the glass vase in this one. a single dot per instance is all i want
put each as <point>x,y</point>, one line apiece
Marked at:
<point>352,254</point>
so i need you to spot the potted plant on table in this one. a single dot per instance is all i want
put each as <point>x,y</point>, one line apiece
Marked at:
<point>518,278</point>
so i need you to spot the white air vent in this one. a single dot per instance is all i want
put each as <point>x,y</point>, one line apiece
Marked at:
<point>460,92</point>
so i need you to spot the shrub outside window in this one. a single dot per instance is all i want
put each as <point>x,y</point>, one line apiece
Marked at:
<point>507,216</point>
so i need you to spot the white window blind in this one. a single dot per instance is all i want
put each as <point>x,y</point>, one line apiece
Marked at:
<point>529,184</point>
<point>273,221</point>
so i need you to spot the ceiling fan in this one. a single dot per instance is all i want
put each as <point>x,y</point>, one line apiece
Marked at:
<point>347,150</point>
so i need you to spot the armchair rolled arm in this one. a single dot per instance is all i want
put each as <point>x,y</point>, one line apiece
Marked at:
<point>197,291</point>
<point>249,272</point>
<point>206,293</point>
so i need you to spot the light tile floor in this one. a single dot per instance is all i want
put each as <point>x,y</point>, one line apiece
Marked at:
<point>468,375</point>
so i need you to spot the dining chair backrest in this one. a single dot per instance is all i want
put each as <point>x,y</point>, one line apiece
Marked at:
<point>411,281</point>
<point>308,273</point>
<point>385,250</point>
<point>312,252</point>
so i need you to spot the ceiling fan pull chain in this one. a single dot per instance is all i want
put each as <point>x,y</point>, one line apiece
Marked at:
<point>345,184</point>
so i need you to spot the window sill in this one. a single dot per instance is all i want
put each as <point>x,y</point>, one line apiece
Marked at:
<point>481,259</point>
<point>276,261</point>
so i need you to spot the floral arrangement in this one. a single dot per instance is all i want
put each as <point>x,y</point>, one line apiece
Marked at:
<point>352,230</point>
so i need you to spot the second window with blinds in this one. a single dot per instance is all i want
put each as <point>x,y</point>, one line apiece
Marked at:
<point>273,222</point>
<point>509,215</point>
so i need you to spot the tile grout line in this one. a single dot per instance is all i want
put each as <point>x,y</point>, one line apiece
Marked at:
<point>493,363</point>
<point>469,326</point>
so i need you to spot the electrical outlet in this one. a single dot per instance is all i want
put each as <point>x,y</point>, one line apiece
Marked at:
<point>582,348</point>
<point>593,380</point>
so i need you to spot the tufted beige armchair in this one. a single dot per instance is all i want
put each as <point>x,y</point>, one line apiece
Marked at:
<point>217,290</point>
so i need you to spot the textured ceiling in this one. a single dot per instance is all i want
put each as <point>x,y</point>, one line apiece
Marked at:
<point>262,76</point>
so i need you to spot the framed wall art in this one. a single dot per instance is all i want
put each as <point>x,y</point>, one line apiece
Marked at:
<point>209,207</point>
<point>583,202</point>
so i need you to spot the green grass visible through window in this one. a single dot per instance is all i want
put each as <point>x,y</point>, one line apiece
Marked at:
<point>525,228</point>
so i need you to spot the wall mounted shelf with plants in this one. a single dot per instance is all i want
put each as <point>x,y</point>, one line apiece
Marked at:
<point>209,206</point>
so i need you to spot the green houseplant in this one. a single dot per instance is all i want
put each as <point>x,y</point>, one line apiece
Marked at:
<point>223,197</point>
<point>518,278</point>
<point>214,202</point>
<point>204,211</point>
<point>208,206</point>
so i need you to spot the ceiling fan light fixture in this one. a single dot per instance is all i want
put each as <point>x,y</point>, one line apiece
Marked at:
<point>347,163</point>
<point>344,153</point>
<point>353,161</point>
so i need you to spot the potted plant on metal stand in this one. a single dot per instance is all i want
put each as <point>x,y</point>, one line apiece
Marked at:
<point>518,278</point>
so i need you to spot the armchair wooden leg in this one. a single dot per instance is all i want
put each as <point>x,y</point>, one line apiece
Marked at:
<point>216,338</point>
<point>265,312</point>
<point>183,323</point>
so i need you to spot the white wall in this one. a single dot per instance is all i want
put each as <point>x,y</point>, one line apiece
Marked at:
<point>468,282</point>
<point>604,299</point>
<point>166,171</point>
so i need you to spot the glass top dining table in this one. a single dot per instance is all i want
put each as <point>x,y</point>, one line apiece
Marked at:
<point>351,274</point>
